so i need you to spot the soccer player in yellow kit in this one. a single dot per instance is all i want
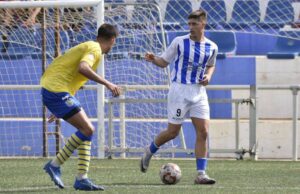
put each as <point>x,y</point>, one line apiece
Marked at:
<point>62,79</point>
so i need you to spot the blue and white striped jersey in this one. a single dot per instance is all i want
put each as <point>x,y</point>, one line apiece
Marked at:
<point>190,58</point>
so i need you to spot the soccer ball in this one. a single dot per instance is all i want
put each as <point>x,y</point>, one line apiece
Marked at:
<point>170,173</point>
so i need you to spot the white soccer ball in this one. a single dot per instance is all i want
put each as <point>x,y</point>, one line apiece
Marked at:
<point>170,173</point>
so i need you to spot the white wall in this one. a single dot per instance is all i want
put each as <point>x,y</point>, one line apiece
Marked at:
<point>275,104</point>
<point>274,129</point>
<point>274,138</point>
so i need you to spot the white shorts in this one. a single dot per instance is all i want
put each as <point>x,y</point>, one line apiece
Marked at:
<point>187,100</point>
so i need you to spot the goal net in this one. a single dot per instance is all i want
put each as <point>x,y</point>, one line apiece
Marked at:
<point>131,121</point>
<point>28,44</point>
<point>275,17</point>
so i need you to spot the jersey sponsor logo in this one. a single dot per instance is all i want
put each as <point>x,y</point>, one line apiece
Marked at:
<point>91,57</point>
<point>177,118</point>
<point>68,100</point>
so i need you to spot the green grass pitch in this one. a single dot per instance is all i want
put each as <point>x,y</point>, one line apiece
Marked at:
<point>124,176</point>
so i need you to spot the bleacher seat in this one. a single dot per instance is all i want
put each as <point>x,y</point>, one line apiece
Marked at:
<point>121,12</point>
<point>226,41</point>
<point>177,12</point>
<point>173,34</point>
<point>142,13</point>
<point>216,11</point>
<point>50,43</point>
<point>286,48</point>
<point>85,34</point>
<point>18,44</point>
<point>278,14</point>
<point>245,13</point>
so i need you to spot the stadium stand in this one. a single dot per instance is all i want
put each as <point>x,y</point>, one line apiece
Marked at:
<point>176,13</point>
<point>141,12</point>
<point>122,16</point>
<point>226,41</point>
<point>216,11</point>
<point>245,13</point>
<point>278,14</point>
<point>285,48</point>
<point>50,43</point>
<point>18,46</point>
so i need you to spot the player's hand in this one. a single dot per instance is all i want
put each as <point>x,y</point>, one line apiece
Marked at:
<point>52,118</point>
<point>205,80</point>
<point>150,57</point>
<point>115,90</point>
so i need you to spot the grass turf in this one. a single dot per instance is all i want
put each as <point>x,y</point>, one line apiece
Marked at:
<point>123,176</point>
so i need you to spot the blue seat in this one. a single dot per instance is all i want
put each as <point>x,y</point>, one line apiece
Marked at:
<point>216,12</point>
<point>145,12</point>
<point>173,34</point>
<point>50,43</point>
<point>287,46</point>
<point>177,12</point>
<point>278,13</point>
<point>86,34</point>
<point>120,10</point>
<point>245,13</point>
<point>226,41</point>
<point>18,45</point>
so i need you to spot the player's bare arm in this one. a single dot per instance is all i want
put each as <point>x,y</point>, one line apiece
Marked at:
<point>158,61</point>
<point>88,72</point>
<point>206,79</point>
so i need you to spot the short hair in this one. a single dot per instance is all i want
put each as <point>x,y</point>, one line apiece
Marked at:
<point>198,14</point>
<point>107,31</point>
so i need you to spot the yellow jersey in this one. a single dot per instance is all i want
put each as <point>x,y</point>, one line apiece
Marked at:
<point>62,74</point>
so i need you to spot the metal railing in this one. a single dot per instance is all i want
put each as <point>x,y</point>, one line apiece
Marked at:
<point>253,117</point>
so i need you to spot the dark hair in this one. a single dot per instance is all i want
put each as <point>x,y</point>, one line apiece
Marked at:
<point>198,14</point>
<point>107,31</point>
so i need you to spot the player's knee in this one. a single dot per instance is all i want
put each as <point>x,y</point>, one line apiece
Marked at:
<point>89,130</point>
<point>202,134</point>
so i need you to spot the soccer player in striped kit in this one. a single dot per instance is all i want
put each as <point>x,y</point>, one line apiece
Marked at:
<point>62,79</point>
<point>193,57</point>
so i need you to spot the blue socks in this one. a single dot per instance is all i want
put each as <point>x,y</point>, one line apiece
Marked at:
<point>83,137</point>
<point>153,148</point>
<point>201,164</point>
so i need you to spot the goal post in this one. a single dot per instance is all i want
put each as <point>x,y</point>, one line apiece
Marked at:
<point>23,53</point>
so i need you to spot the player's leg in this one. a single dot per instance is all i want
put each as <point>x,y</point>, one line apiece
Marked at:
<point>177,109</point>
<point>200,119</point>
<point>62,105</point>
<point>165,136</point>
<point>84,126</point>
<point>65,106</point>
